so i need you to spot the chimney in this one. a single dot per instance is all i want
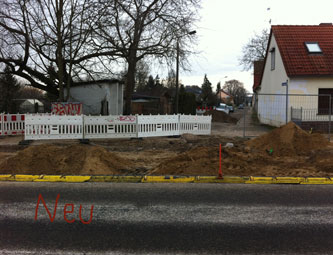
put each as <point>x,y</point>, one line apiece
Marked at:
<point>325,24</point>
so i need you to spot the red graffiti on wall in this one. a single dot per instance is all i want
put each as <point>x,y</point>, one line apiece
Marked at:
<point>64,108</point>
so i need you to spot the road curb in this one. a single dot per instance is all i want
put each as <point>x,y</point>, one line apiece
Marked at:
<point>165,179</point>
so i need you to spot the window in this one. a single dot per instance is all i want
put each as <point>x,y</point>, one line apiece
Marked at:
<point>272,51</point>
<point>313,47</point>
<point>324,101</point>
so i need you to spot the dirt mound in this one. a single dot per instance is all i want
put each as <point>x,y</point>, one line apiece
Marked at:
<point>73,159</point>
<point>218,116</point>
<point>239,162</point>
<point>323,160</point>
<point>288,140</point>
<point>197,161</point>
<point>205,161</point>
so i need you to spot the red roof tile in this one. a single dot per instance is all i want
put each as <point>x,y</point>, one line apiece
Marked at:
<point>258,68</point>
<point>296,59</point>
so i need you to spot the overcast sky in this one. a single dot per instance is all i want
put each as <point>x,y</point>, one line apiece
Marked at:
<point>227,25</point>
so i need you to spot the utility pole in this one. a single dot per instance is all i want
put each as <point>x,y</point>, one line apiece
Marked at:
<point>177,77</point>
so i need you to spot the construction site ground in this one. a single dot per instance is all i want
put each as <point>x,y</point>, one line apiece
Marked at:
<point>284,151</point>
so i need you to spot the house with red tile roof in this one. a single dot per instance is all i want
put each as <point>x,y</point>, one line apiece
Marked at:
<point>225,97</point>
<point>300,57</point>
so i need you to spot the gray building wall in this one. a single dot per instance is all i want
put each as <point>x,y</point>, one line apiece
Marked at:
<point>93,94</point>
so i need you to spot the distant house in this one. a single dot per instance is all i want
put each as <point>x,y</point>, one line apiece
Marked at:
<point>155,101</point>
<point>31,106</point>
<point>225,97</point>
<point>299,60</point>
<point>103,97</point>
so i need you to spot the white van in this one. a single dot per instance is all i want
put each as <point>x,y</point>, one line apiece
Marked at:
<point>223,108</point>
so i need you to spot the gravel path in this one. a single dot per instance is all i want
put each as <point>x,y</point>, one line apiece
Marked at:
<point>252,129</point>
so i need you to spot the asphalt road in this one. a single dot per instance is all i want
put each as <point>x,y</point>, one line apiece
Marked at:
<point>167,219</point>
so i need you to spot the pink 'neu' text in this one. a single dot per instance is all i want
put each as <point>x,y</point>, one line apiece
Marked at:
<point>68,209</point>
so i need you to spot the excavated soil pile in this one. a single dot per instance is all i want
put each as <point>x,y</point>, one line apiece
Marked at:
<point>323,160</point>
<point>295,153</point>
<point>73,159</point>
<point>218,116</point>
<point>197,161</point>
<point>205,161</point>
<point>288,140</point>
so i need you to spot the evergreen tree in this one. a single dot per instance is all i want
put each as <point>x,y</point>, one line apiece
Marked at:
<point>218,87</point>
<point>187,102</point>
<point>157,81</point>
<point>9,88</point>
<point>207,93</point>
<point>151,82</point>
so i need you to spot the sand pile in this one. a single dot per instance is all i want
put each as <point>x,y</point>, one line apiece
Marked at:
<point>295,153</point>
<point>205,161</point>
<point>197,161</point>
<point>288,140</point>
<point>73,159</point>
<point>218,116</point>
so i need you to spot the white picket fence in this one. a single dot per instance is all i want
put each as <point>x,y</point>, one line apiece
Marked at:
<point>11,124</point>
<point>38,127</point>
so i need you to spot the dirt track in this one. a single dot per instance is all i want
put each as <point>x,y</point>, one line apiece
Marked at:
<point>287,151</point>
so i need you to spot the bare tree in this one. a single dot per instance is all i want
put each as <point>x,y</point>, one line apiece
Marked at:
<point>236,89</point>
<point>39,36</point>
<point>138,29</point>
<point>171,79</point>
<point>141,75</point>
<point>254,50</point>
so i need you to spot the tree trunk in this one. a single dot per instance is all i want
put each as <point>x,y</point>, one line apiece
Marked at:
<point>130,81</point>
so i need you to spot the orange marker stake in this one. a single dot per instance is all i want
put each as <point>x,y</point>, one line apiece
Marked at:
<point>220,170</point>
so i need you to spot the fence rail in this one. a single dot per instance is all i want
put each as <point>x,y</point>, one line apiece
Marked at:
<point>39,127</point>
<point>109,127</point>
<point>198,125</point>
<point>303,114</point>
<point>158,125</point>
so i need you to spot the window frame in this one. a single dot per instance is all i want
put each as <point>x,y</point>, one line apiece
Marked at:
<point>323,101</point>
<point>313,52</point>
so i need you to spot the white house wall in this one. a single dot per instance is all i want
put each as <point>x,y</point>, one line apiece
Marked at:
<point>92,95</point>
<point>270,108</point>
<point>116,104</point>
<point>310,87</point>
